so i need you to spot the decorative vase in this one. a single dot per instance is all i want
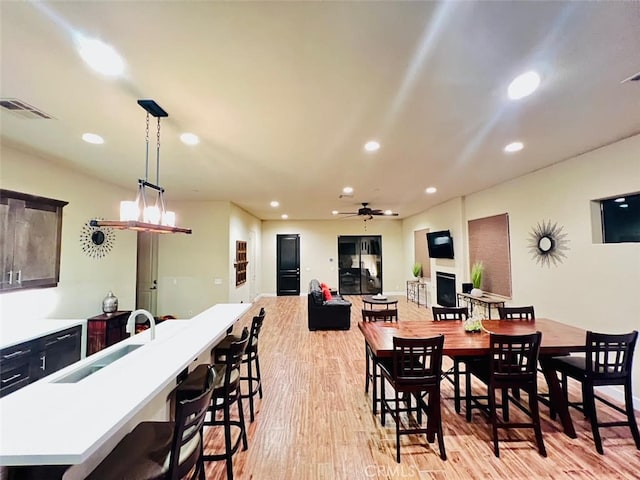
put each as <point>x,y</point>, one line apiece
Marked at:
<point>110,303</point>
<point>476,292</point>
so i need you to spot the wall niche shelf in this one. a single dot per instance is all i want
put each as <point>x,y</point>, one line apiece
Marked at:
<point>241,262</point>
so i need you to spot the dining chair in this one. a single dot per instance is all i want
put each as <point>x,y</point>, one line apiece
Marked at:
<point>453,374</point>
<point>517,313</point>
<point>415,370</point>
<point>512,364</point>
<point>608,361</point>
<point>163,450</point>
<point>371,368</point>
<point>526,313</point>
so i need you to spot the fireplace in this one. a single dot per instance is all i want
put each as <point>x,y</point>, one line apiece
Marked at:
<point>446,289</point>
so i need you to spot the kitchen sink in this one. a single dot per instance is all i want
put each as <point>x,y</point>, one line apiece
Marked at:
<point>90,368</point>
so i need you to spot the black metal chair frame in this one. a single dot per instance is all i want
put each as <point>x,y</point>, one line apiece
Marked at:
<point>512,365</point>
<point>608,361</point>
<point>251,359</point>
<point>415,370</point>
<point>453,375</point>
<point>225,394</point>
<point>372,374</point>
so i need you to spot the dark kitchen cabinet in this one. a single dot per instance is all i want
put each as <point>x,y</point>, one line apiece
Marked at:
<point>29,361</point>
<point>56,351</point>
<point>30,235</point>
<point>15,362</point>
<point>106,329</point>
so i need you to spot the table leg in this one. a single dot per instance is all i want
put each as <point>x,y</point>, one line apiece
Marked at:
<point>557,397</point>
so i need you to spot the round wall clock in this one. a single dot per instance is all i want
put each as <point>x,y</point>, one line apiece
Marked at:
<point>547,243</point>
<point>96,242</point>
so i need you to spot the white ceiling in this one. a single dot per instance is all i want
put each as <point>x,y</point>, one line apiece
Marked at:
<point>284,94</point>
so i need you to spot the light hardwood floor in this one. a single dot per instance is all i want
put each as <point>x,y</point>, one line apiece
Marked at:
<point>315,420</point>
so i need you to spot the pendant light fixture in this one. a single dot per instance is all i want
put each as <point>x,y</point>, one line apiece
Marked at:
<point>140,214</point>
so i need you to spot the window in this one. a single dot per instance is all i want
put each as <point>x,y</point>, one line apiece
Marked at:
<point>620,217</point>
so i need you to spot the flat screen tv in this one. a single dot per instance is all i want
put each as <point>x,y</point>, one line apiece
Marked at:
<point>440,244</point>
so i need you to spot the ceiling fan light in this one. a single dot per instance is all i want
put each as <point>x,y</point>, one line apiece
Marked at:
<point>388,212</point>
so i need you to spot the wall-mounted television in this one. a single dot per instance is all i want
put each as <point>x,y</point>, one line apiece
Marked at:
<point>440,244</point>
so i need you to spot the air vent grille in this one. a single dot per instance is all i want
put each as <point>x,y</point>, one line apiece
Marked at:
<point>22,109</point>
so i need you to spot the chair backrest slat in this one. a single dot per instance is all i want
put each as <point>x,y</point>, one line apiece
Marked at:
<point>385,315</point>
<point>610,356</point>
<point>449,313</point>
<point>514,356</point>
<point>186,446</point>
<point>517,313</point>
<point>417,361</point>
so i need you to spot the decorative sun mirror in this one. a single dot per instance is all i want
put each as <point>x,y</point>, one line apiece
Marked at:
<point>96,242</point>
<point>548,243</point>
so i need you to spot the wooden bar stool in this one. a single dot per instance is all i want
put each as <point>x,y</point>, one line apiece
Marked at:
<point>253,379</point>
<point>163,450</point>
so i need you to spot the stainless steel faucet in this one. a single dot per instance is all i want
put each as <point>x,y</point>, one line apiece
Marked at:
<point>131,322</point>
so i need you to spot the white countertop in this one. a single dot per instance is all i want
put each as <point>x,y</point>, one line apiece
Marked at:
<point>70,421</point>
<point>15,332</point>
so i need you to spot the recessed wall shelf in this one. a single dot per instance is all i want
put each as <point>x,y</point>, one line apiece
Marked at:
<point>241,262</point>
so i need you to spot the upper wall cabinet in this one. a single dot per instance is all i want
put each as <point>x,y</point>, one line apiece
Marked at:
<point>30,233</point>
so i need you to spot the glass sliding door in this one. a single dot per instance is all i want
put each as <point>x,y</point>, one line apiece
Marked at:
<point>360,264</point>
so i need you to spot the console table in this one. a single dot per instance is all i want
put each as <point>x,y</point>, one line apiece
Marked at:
<point>485,301</point>
<point>106,329</point>
<point>413,291</point>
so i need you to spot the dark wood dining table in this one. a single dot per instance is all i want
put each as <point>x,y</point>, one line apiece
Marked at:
<point>557,339</point>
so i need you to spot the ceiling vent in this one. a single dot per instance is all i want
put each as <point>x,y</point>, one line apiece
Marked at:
<point>22,109</point>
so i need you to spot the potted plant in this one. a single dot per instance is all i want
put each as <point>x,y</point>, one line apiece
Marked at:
<point>477,269</point>
<point>417,269</point>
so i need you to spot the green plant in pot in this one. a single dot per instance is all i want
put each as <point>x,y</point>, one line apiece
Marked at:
<point>477,269</point>
<point>417,269</point>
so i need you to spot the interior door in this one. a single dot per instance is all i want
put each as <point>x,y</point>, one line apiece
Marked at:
<point>288,264</point>
<point>147,272</point>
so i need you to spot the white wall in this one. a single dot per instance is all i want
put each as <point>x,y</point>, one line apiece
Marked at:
<point>596,286</point>
<point>84,281</point>
<point>193,271</point>
<point>446,216</point>
<point>319,250</point>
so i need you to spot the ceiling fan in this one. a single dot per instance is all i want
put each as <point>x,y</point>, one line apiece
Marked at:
<point>365,211</point>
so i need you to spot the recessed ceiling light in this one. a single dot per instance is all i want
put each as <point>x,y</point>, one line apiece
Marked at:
<point>93,138</point>
<point>284,216</point>
<point>619,200</point>
<point>523,85</point>
<point>275,203</point>
<point>624,205</point>
<point>431,190</point>
<point>334,212</point>
<point>347,190</point>
<point>514,147</point>
<point>101,57</point>
<point>372,146</point>
<point>189,138</point>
